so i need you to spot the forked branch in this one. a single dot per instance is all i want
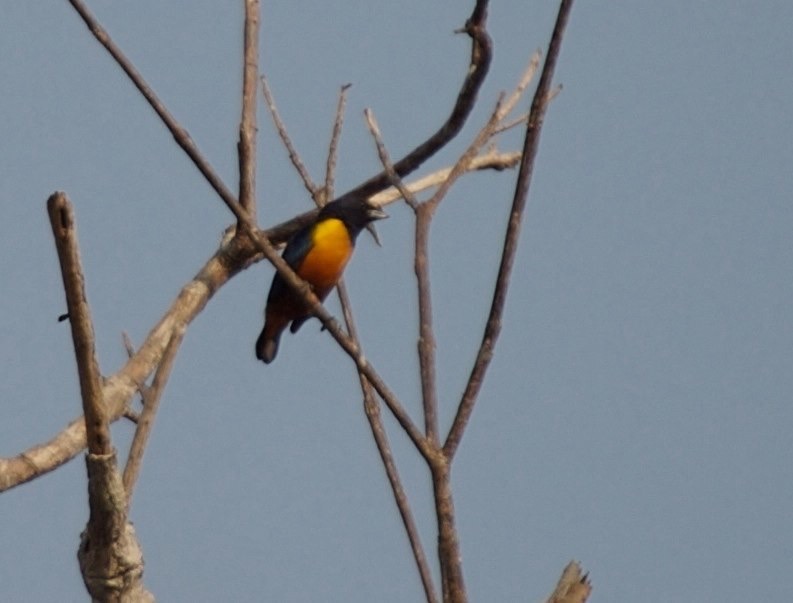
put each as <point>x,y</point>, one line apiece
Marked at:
<point>530,146</point>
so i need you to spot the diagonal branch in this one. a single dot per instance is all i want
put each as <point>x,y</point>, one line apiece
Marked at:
<point>347,344</point>
<point>372,411</point>
<point>294,156</point>
<point>119,389</point>
<point>181,136</point>
<point>246,147</point>
<point>493,326</point>
<point>151,402</point>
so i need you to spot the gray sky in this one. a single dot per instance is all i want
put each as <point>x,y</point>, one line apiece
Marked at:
<point>637,415</point>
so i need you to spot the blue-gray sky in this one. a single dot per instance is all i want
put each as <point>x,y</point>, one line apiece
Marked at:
<point>637,415</point>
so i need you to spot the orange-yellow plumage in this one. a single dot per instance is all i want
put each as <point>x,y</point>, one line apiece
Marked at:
<point>318,254</point>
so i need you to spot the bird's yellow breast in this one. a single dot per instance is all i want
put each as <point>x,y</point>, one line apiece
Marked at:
<point>330,251</point>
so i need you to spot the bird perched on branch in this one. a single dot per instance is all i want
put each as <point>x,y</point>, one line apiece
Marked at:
<point>318,253</point>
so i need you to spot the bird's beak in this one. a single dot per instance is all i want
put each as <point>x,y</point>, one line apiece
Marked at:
<point>375,213</point>
<point>373,231</point>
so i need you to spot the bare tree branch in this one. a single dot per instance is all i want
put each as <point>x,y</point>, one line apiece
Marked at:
<point>151,402</point>
<point>64,230</point>
<point>294,156</point>
<point>573,586</point>
<point>372,411</point>
<point>492,160</point>
<point>119,389</point>
<point>448,540</point>
<point>110,558</point>
<point>530,146</point>
<point>426,339</point>
<point>481,54</point>
<point>181,136</point>
<point>246,147</point>
<point>333,148</point>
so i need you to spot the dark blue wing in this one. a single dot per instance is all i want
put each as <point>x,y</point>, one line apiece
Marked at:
<point>296,249</point>
<point>298,246</point>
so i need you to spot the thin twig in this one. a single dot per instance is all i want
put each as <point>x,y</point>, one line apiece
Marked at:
<point>180,134</point>
<point>152,397</point>
<point>128,347</point>
<point>462,164</point>
<point>64,230</point>
<point>385,159</point>
<point>426,339</point>
<point>246,147</point>
<point>523,83</point>
<point>371,406</point>
<point>491,160</point>
<point>372,411</point>
<point>481,54</point>
<point>294,156</point>
<point>493,326</point>
<point>333,147</point>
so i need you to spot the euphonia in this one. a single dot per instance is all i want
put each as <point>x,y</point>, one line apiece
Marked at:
<point>318,253</point>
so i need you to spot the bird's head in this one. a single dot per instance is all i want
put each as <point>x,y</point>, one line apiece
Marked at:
<point>356,213</point>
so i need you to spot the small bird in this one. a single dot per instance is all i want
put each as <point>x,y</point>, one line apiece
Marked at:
<point>318,253</point>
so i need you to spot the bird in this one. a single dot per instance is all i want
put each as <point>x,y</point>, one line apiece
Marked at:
<point>318,253</point>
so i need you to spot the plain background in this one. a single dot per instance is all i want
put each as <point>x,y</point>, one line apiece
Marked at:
<point>637,415</point>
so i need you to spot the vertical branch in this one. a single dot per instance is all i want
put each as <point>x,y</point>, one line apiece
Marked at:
<point>449,557</point>
<point>426,343</point>
<point>530,145</point>
<point>63,229</point>
<point>370,404</point>
<point>110,558</point>
<point>448,542</point>
<point>246,147</point>
<point>333,148</point>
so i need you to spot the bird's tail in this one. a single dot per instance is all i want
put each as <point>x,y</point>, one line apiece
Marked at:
<point>267,345</point>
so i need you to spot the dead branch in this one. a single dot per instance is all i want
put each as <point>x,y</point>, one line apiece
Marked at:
<point>65,233</point>
<point>481,54</point>
<point>333,147</point>
<point>573,586</point>
<point>530,146</point>
<point>294,156</point>
<point>246,147</point>
<point>145,422</point>
<point>373,416</point>
<point>110,558</point>
<point>180,134</point>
